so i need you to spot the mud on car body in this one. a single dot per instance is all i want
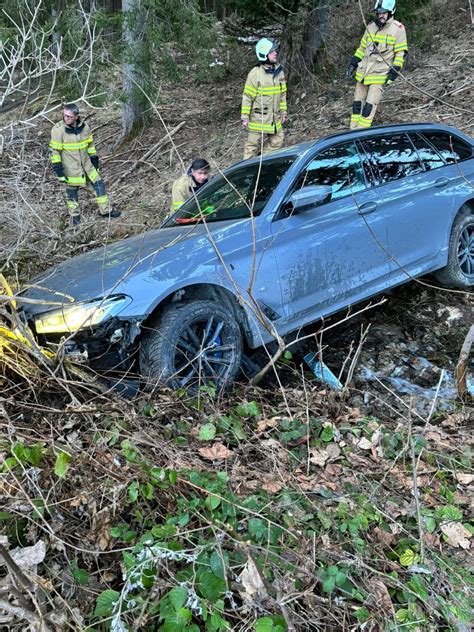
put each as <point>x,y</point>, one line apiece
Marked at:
<point>272,244</point>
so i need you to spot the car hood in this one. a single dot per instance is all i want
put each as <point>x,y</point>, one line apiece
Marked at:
<point>113,268</point>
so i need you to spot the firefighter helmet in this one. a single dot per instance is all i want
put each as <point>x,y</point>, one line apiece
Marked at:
<point>264,47</point>
<point>385,6</point>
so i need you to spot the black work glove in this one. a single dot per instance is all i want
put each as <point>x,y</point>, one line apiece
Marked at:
<point>391,76</point>
<point>95,161</point>
<point>59,171</point>
<point>352,67</point>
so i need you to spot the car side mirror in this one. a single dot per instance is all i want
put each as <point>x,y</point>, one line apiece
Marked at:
<point>308,197</point>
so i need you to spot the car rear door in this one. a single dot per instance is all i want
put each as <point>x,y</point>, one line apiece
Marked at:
<point>331,254</point>
<point>415,191</point>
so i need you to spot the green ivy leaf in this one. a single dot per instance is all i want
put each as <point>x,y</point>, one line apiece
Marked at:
<point>34,454</point>
<point>257,528</point>
<point>362,614</point>
<point>449,513</point>
<point>329,584</point>
<point>408,558</point>
<point>418,587</point>
<point>211,587</point>
<point>147,491</point>
<point>264,625</point>
<point>402,615</point>
<point>207,432</point>
<point>430,523</point>
<point>80,575</point>
<point>149,410</point>
<point>327,434</point>
<point>183,616</point>
<point>128,560</point>
<point>340,579</point>
<point>252,409</point>
<point>324,519</point>
<point>217,564</point>
<point>133,491</point>
<point>106,603</point>
<point>212,502</point>
<point>177,597</point>
<point>216,623</point>
<point>61,465</point>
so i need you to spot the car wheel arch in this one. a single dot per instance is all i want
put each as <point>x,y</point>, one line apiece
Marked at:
<point>204,291</point>
<point>450,275</point>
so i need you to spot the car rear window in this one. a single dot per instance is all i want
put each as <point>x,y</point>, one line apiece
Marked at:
<point>430,157</point>
<point>451,148</point>
<point>390,157</point>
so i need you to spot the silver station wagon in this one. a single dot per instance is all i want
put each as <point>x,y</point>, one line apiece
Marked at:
<point>268,246</point>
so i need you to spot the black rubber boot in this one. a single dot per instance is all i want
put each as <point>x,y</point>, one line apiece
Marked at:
<point>113,214</point>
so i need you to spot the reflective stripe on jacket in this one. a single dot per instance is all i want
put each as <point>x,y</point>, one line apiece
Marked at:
<point>379,50</point>
<point>73,147</point>
<point>264,99</point>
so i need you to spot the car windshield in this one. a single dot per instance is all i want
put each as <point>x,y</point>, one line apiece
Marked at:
<point>232,195</point>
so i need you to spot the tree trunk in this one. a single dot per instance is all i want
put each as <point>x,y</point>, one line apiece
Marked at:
<point>308,28</point>
<point>133,67</point>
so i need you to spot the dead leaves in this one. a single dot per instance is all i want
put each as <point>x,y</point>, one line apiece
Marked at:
<point>380,595</point>
<point>320,457</point>
<point>464,478</point>
<point>272,486</point>
<point>457,535</point>
<point>217,452</point>
<point>264,424</point>
<point>28,557</point>
<point>252,583</point>
<point>383,536</point>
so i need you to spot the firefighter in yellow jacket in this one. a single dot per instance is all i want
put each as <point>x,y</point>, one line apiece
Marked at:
<point>264,108</point>
<point>76,163</point>
<point>377,62</point>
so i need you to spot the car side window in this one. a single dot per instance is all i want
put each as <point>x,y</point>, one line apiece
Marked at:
<point>391,157</point>
<point>451,148</point>
<point>339,167</point>
<point>430,158</point>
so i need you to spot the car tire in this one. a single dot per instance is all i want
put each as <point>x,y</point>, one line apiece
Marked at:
<point>191,344</point>
<point>459,272</point>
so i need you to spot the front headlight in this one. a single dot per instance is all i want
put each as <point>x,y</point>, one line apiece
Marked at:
<point>74,317</point>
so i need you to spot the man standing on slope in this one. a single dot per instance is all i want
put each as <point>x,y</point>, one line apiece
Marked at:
<point>263,109</point>
<point>76,163</point>
<point>377,62</point>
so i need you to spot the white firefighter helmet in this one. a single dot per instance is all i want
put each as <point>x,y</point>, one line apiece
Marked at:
<point>264,47</point>
<point>385,6</point>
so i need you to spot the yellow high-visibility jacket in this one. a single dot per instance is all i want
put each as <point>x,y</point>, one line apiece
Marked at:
<point>379,50</point>
<point>72,148</point>
<point>264,99</point>
<point>182,190</point>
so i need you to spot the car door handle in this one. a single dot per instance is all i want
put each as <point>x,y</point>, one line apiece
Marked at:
<point>368,207</point>
<point>441,182</point>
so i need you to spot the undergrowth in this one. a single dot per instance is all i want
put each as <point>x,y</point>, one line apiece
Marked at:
<point>264,512</point>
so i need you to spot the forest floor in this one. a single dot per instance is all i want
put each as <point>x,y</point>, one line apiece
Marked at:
<point>280,507</point>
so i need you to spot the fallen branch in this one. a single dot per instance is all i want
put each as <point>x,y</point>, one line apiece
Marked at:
<point>461,367</point>
<point>155,148</point>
